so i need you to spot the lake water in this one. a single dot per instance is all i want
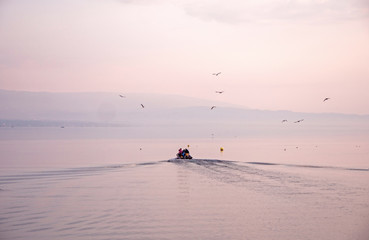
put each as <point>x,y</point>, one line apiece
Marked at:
<point>83,184</point>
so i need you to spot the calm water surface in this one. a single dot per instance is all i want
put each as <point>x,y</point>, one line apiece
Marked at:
<point>118,188</point>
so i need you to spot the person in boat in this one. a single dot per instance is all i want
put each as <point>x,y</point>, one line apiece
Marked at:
<point>179,154</point>
<point>186,154</point>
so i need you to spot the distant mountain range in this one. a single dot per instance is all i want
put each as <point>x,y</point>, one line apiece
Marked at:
<point>18,108</point>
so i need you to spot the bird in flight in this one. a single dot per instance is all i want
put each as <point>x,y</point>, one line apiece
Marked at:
<point>216,74</point>
<point>220,92</point>
<point>121,96</point>
<point>212,107</point>
<point>142,105</point>
<point>325,99</point>
<point>299,120</point>
<point>284,120</point>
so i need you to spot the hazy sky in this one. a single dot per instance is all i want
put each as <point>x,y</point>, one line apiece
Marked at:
<point>273,54</point>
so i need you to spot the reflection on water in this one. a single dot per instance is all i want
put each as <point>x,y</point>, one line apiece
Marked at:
<point>133,189</point>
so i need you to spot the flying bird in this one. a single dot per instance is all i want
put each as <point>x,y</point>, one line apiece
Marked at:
<point>142,105</point>
<point>212,107</point>
<point>284,120</point>
<point>216,74</point>
<point>220,92</point>
<point>299,120</point>
<point>325,99</point>
<point>121,96</point>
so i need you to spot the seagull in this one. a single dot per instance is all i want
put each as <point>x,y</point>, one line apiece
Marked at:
<point>299,120</point>
<point>142,105</point>
<point>212,107</point>
<point>284,120</point>
<point>121,96</point>
<point>216,74</point>
<point>220,92</point>
<point>325,99</point>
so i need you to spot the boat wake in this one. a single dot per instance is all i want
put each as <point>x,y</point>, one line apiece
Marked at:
<point>215,161</point>
<point>69,173</point>
<point>258,176</point>
<point>223,170</point>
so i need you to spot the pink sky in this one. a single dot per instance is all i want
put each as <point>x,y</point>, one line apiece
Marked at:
<point>273,54</point>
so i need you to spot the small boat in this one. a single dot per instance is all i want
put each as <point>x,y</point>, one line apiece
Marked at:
<point>187,156</point>
<point>184,154</point>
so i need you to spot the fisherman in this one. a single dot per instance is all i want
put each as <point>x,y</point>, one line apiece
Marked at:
<point>179,154</point>
<point>186,154</point>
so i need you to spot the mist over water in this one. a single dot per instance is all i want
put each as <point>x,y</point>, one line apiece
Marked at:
<point>100,183</point>
<point>97,97</point>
